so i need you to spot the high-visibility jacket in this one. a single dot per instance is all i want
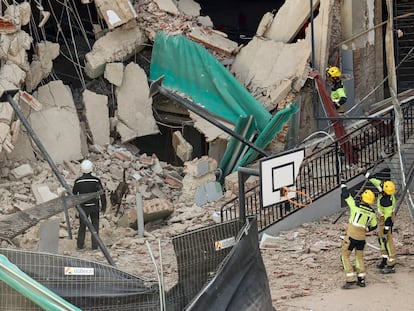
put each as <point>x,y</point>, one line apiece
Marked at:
<point>338,93</point>
<point>362,217</point>
<point>385,203</point>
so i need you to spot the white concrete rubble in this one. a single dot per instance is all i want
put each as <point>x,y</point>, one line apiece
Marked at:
<point>114,73</point>
<point>134,103</point>
<point>114,46</point>
<point>97,115</point>
<point>57,124</point>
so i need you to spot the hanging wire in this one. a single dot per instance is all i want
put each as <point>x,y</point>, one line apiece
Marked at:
<point>77,66</point>
<point>80,71</point>
<point>80,24</point>
<point>6,3</point>
<point>381,83</point>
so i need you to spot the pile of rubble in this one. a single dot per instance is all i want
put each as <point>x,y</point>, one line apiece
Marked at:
<point>66,121</point>
<point>300,262</point>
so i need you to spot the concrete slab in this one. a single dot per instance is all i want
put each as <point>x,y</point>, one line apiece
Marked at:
<point>49,236</point>
<point>269,67</point>
<point>97,115</point>
<point>134,104</point>
<point>57,124</point>
<point>114,46</point>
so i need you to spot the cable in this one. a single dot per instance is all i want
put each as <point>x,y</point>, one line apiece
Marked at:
<point>381,83</point>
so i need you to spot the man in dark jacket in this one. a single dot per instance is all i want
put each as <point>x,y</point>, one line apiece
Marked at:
<point>85,184</point>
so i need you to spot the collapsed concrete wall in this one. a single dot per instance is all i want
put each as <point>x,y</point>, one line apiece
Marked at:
<point>272,65</point>
<point>57,124</point>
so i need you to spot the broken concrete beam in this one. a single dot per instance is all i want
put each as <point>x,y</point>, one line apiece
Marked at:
<point>115,13</point>
<point>183,148</point>
<point>134,103</point>
<point>212,40</point>
<point>114,46</point>
<point>97,115</point>
<point>57,124</point>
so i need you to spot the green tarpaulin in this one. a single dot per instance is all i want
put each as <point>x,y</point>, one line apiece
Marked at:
<point>189,68</point>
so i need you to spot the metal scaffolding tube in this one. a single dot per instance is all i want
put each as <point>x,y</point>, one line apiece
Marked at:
<point>58,175</point>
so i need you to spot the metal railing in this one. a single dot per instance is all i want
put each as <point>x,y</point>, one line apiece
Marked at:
<point>321,172</point>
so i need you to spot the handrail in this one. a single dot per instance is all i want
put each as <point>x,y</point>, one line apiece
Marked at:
<point>320,171</point>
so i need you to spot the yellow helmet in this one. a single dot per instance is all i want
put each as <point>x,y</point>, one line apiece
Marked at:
<point>368,196</point>
<point>388,187</point>
<point>333,72</point>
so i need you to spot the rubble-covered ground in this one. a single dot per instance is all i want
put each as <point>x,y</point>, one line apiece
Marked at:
<point>300,263</point>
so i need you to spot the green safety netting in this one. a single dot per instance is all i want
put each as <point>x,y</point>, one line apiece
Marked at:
<point>190,69</point>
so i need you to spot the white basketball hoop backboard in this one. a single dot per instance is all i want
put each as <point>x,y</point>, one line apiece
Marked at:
<point>279,172</point>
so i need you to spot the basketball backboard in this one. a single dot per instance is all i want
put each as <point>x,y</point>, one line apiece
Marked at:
<point>277,172</point>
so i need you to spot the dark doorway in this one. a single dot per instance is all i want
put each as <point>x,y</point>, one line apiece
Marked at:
<point>238,19</point>
<point>161,144</point>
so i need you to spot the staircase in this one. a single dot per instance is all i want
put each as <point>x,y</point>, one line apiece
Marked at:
<point>375,148</point>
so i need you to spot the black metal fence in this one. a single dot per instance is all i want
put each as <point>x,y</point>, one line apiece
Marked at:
<point>322,171</point>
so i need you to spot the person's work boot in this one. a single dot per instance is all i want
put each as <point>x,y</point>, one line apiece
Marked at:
<point>382,264</point>
<point>361,282</point>
<point>348,285</point>
<point>388,270</point>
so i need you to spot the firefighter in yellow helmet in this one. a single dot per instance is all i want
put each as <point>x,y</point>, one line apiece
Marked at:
<point>362,218</point>
<point>338,93</point>
<point>386,214</point>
